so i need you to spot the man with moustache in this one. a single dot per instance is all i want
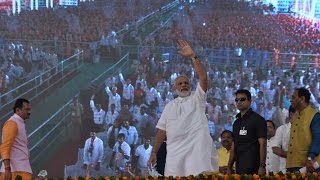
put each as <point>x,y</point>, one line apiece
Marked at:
<point>184,125</point>
<point>224,151</point>
<point>14,148</point>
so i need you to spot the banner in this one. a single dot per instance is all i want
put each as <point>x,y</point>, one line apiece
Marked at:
<point>5,5</point>
<point>68,2</point>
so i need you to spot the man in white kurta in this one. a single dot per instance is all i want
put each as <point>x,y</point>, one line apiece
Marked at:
<point>183,123</point>
<point>189,144</point>
<point>282,138</point>
<point>93,151</point>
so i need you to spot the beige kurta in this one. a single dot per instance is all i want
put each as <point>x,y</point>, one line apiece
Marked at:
<point>190,149</point>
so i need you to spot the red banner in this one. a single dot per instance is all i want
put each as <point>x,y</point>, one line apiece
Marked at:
<point>5,5</point>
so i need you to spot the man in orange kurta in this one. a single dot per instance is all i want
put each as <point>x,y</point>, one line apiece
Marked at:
<point>14,148</point>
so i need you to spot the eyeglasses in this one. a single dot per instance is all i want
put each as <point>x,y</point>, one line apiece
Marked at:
<point>240,99</point>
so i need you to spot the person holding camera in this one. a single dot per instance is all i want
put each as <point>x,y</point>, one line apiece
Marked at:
<point>121,154</point>
<point>93,152</point>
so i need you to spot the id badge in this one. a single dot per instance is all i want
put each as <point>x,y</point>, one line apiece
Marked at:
<point>243,132</point>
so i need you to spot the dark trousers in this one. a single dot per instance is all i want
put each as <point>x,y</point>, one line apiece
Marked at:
<point>293,169</point>
<point>161,158</point>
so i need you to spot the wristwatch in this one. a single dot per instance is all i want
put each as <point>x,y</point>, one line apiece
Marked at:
<point>263,165</point>
<point>195,58</point>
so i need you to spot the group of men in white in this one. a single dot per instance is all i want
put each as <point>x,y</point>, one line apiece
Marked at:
<point>122,156</point>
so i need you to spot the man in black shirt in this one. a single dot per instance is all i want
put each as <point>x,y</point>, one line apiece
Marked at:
<point>250,133</point>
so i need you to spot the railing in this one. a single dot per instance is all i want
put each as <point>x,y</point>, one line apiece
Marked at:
<point>225,57</point>
<point>59,46</point>
<point>151,15</point>
<point>123,64</point>
<point>40,84</point>
<point>53,131</point>
<point>44,139</point>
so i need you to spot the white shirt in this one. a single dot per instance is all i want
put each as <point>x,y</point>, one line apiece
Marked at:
<point>162,103</point>
<point>113,99</point>
<point>98,116</point>
<point>188,137</point>
<point>97,152</point>
<point>151,95</point>
<point>214,112</point>
<point>131,134</point>
<point>161,85</point>
<point>120,160</point>
<point>229,95</point>
<point>270,95</point>
<point>110,118</point>
<point>272,160</point>
<point>128,89</point>
<point>282,138</point>
<point>282,115</point>
<point>144,155</point>
<point>269,113</point>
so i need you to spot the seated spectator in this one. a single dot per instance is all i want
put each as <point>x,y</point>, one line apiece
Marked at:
<point>229,123</point>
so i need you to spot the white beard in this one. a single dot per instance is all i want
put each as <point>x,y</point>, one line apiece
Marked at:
<point>183,94</point>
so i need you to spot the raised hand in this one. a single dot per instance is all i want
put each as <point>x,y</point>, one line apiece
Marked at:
<point>185,49</point>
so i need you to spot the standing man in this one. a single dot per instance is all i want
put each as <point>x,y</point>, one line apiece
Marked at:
<point>98,114</point>
<point>132,136</point>
<point>128,90</point>
<point>250,138</point>
<point>76,112</point>
<point>120,155</point>
<point>185,126</point>
<point>272,161</point>
<point>93,152</point>
<point>142,156</point>
<point>14,148</point>
<point>304,144</point>
<point>282,141</point>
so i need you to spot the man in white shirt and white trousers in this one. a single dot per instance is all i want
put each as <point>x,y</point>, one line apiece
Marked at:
<point>93,152</point>
<point>190,149</point>
<point>282,138</point>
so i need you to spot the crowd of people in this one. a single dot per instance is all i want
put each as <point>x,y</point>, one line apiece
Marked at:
<point>135,104</point>
<point>19,64</point>
<point>22,58</point>
<point>228,26</point>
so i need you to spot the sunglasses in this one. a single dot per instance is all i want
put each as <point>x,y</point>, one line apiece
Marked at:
<point>240,99</point>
